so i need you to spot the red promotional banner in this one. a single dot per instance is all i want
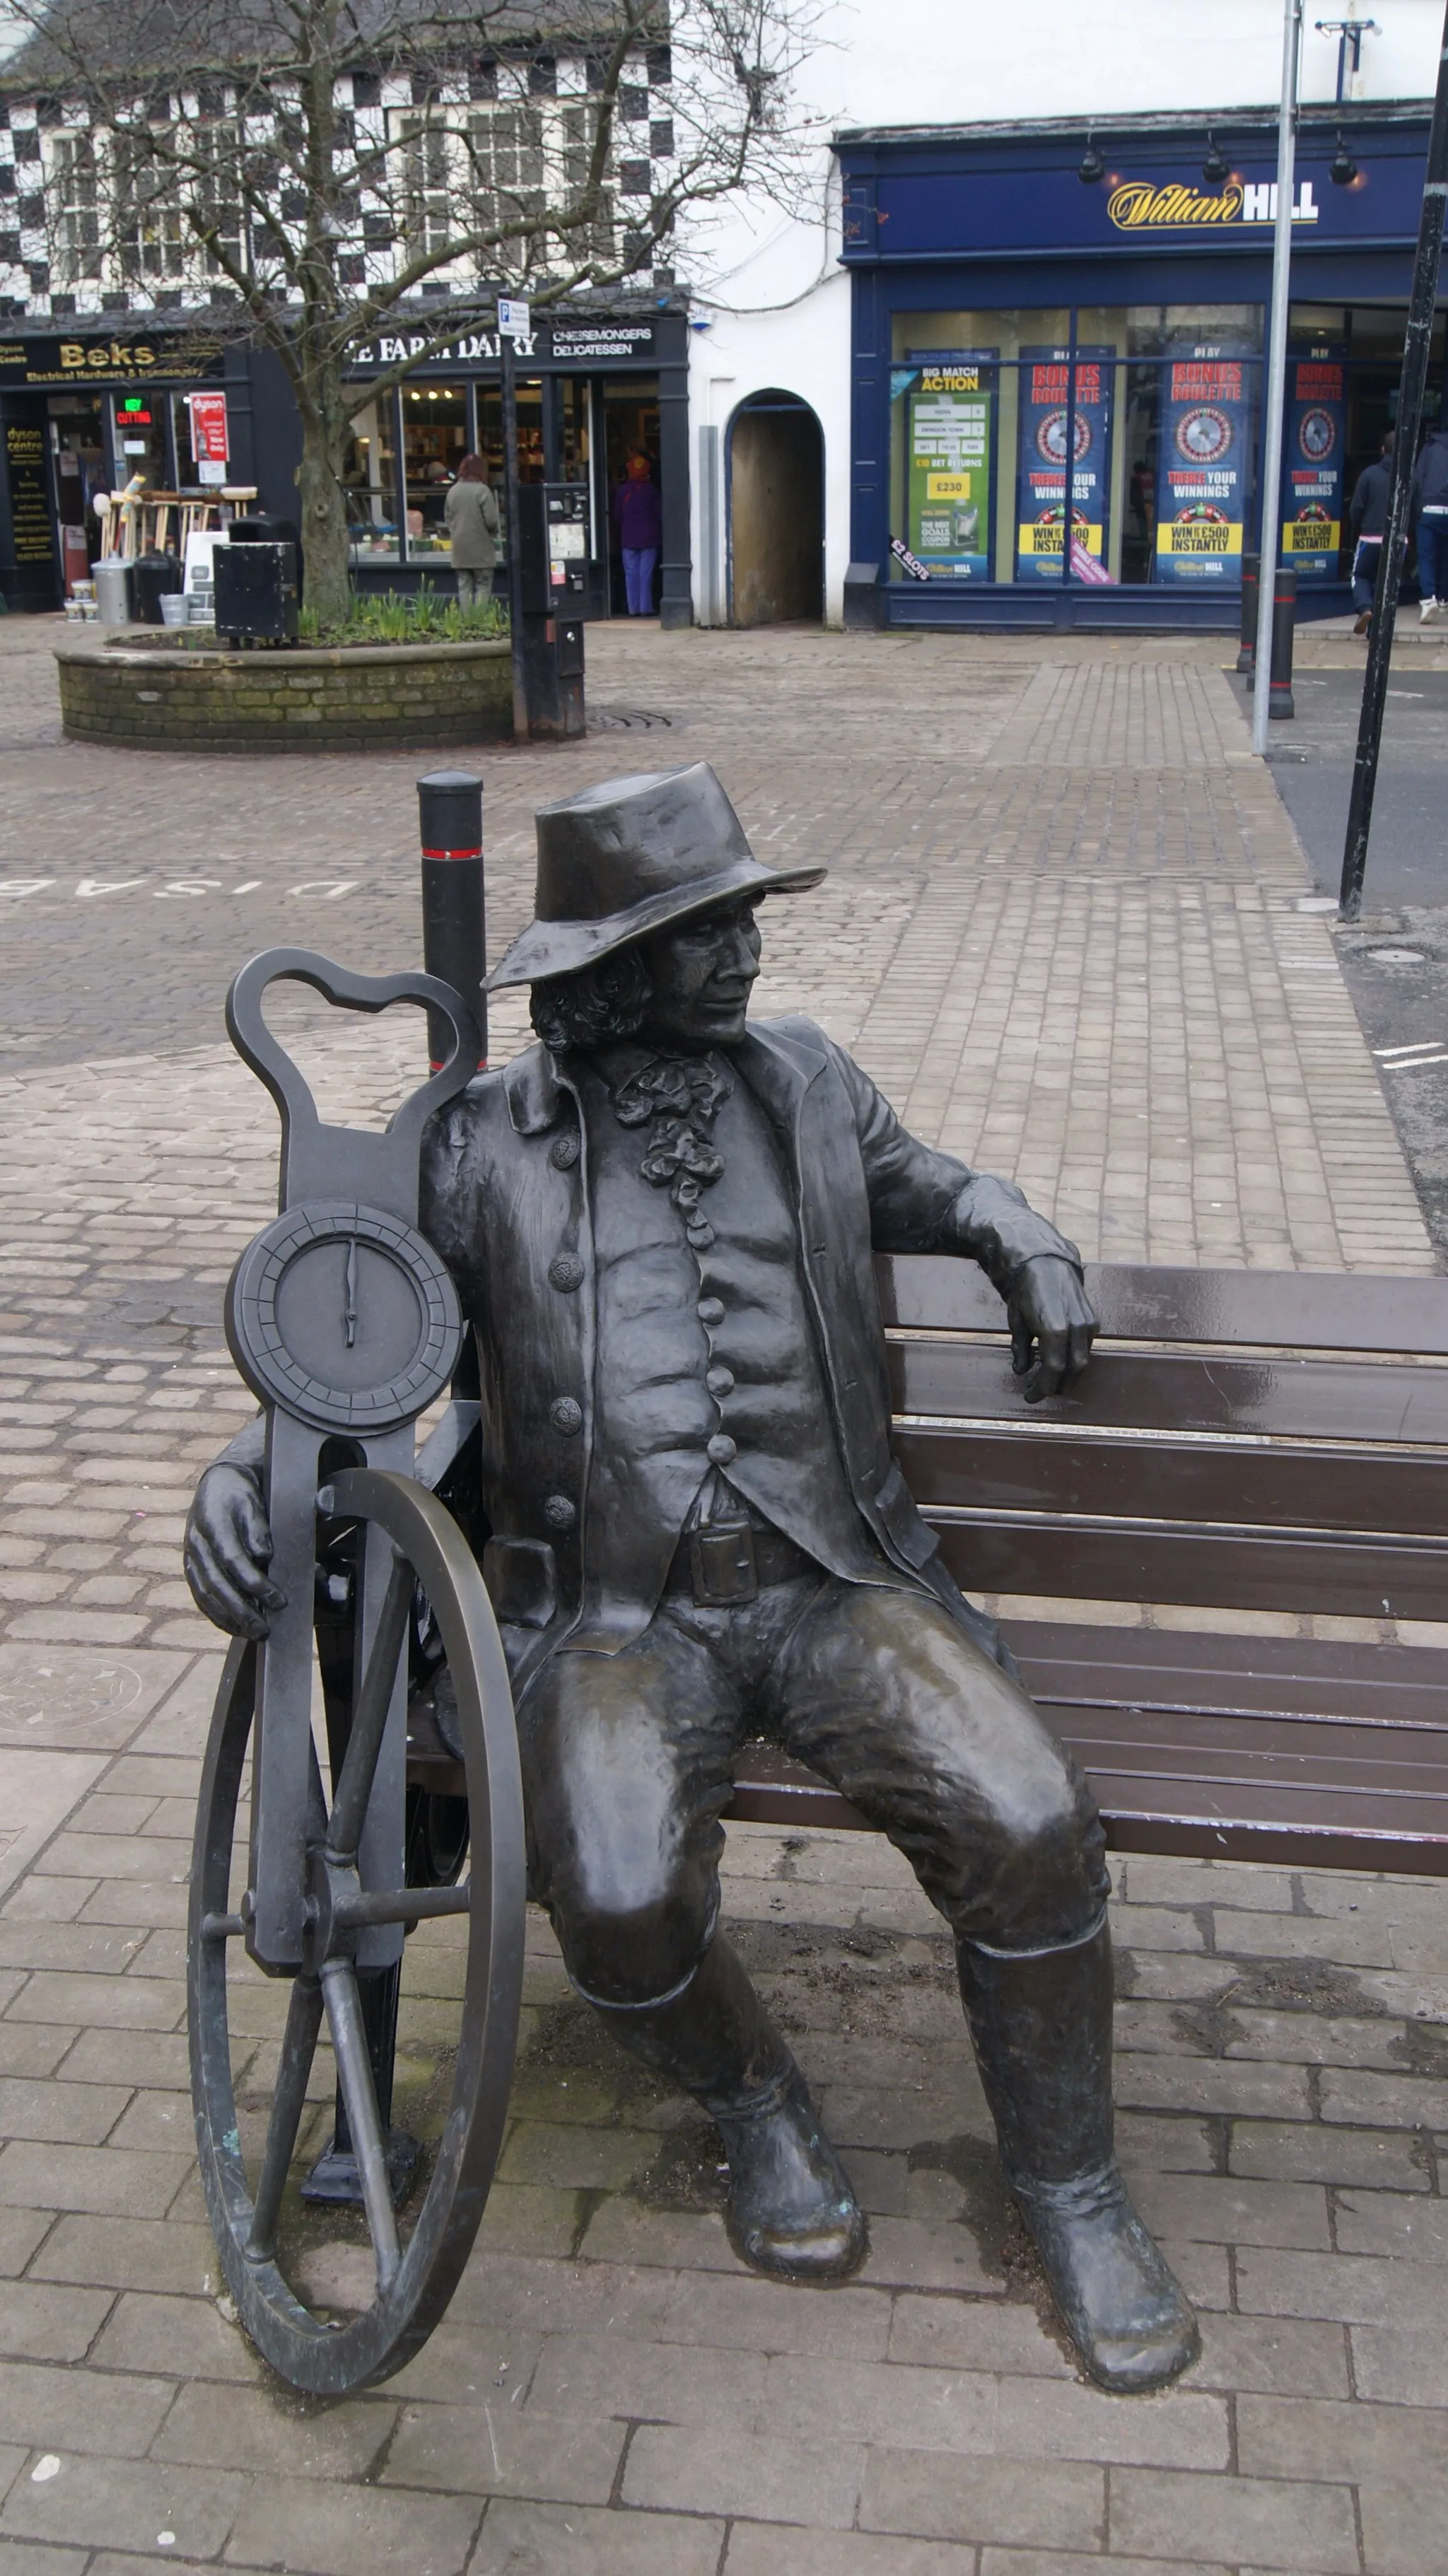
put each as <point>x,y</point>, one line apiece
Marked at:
<point>208,435</point>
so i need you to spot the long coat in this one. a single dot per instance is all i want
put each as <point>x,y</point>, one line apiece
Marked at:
<point>506,1199</point>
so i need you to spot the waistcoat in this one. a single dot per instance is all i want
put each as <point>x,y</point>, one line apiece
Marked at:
<point>708,1358</point>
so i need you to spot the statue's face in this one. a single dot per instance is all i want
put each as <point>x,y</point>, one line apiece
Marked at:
<point>701,972</point>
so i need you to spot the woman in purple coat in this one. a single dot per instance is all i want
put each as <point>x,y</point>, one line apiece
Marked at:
<point>639,516</point>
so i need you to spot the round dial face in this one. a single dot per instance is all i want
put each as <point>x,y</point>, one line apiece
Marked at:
<point>1204,436</point>
<point>1317,435</point>
<point>1051,437</point>
<point>344,1317</point>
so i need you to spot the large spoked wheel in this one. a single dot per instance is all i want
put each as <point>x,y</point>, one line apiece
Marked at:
<point>397,2280</point>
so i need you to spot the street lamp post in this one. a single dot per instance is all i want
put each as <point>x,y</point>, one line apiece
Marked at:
<point>1416,343</point>
<point>1277,367</point>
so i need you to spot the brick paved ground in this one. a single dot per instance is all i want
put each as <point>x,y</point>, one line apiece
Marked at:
<point>1062,929</point>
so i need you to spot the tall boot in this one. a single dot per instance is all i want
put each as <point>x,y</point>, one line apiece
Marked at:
<point>790,2211</point>
<point>1041,2024</point>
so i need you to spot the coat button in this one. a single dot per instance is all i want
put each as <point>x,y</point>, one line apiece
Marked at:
<point>722,1451</point>
<point>565,1415</point>
<point>719,1381</point>
<point>563,1152</point>
<point>559,1513</point>
<point>710,1310</point>
<point>565,1271</point>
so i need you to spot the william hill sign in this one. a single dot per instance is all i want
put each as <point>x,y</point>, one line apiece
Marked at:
<point>1150,205</point>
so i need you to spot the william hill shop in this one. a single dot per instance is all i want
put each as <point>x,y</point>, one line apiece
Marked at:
<point>1043,306</point>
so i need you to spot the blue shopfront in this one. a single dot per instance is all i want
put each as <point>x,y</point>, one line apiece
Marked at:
<point>1038,305</point>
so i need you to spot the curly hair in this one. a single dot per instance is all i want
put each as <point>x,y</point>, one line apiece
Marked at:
<point>594,1006</point>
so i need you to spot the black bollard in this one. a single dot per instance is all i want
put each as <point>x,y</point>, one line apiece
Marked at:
<point>1284,619</point>
<point>1247,650</point>
<point>454,920</point>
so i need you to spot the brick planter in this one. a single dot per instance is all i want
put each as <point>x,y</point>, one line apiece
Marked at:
<point>324,698</point>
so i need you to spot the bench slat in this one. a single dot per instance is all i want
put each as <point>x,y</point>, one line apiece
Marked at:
<point>1334,1400</point>
<point>1049,1555</point>
<point>1310,1310</point>
<point>1199,1481</point>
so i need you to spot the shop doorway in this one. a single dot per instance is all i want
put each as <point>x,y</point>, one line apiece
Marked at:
<point>775,485</point>
<point>78,462</point>
<point>630,428</point>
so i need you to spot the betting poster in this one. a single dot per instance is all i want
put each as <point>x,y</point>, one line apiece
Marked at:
<point>1312,463</point>
<point>951,401</point>
<point>1049,419</point>
<point>1202,467</point>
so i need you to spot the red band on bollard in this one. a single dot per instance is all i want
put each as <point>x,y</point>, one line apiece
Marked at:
<point>455,854</point>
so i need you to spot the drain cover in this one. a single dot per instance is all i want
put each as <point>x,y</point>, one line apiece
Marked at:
<point>1396,956</point>
<point>627,720</point>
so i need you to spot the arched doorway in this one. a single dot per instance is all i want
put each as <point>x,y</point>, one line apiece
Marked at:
<point>776,489</point>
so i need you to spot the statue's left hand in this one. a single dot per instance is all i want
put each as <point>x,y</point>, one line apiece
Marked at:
<point>1053,1325</point>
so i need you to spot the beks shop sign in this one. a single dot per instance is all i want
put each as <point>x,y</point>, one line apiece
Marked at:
<point>113,361</point>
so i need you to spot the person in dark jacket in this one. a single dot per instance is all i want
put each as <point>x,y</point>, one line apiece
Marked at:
<point>1367,519</point>
<point>1430,522</point>
<point>638,515</point>
<point>471,510</point>
<point>661,1221</point>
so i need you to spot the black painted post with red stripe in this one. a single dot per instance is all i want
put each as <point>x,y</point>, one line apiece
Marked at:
<point>454,920</point>
<point>1247,649</point>
<point>1280,702</point>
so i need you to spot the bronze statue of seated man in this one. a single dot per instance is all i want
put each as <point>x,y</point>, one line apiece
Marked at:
<point>661,1220</point>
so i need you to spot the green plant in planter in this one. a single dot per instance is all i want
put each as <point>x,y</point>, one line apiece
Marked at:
<point>402,617</point>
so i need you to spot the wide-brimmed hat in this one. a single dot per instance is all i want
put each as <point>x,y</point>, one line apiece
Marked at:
<point>630,857</point>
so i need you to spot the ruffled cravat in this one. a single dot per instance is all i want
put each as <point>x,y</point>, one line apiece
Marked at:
<point>678,1097</point>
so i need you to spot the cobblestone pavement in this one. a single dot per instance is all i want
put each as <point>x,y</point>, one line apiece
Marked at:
<point>1062,930</point>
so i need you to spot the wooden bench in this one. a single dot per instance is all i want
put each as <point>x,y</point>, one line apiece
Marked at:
<point>1243,1440</point>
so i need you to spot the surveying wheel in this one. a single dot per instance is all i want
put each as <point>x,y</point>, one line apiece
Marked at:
<point>328,2314</point>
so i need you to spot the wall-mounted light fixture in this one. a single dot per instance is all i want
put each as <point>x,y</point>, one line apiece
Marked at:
<point>1343,169</point>
<point>1092,168</point>
<point>1216,166</point>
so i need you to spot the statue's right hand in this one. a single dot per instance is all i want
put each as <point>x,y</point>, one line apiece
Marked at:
<point>227,1553</point>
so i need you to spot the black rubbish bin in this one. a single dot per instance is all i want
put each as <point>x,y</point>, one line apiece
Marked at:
<point>256,591</point>
<point>152,576</point>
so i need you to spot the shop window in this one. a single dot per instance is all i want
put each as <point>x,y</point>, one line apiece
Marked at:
<point>1110,445</point>
<point>434,443</point>
<point>370,479</point>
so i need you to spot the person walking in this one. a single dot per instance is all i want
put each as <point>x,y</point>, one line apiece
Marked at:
<point>1430,522</point>
<point>471,512</point>
<point>1368,518</point>
<point>638,515</point>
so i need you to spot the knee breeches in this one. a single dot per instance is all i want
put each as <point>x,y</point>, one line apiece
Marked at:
<point>628,1765</point>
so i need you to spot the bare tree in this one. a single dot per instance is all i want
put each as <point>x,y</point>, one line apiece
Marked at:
<point>313,164</point>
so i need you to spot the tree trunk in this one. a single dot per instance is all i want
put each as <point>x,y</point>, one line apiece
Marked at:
<point>325,576</point>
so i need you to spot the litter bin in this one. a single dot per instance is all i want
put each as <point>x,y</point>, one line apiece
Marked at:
<point>113,591</point>
<point>256,590</point>
<point>152,576</point>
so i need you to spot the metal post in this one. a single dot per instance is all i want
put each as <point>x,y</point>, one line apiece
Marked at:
<point>1416,346</point>
<point>1246,650</point>
<point>1277,357</point>
<point>1280,702</point>
<point>507,352</point>
<point>454,921</point>
<point>1068,482</point>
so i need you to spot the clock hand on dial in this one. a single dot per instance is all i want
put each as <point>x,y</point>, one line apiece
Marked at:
<point>349,1310</point>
